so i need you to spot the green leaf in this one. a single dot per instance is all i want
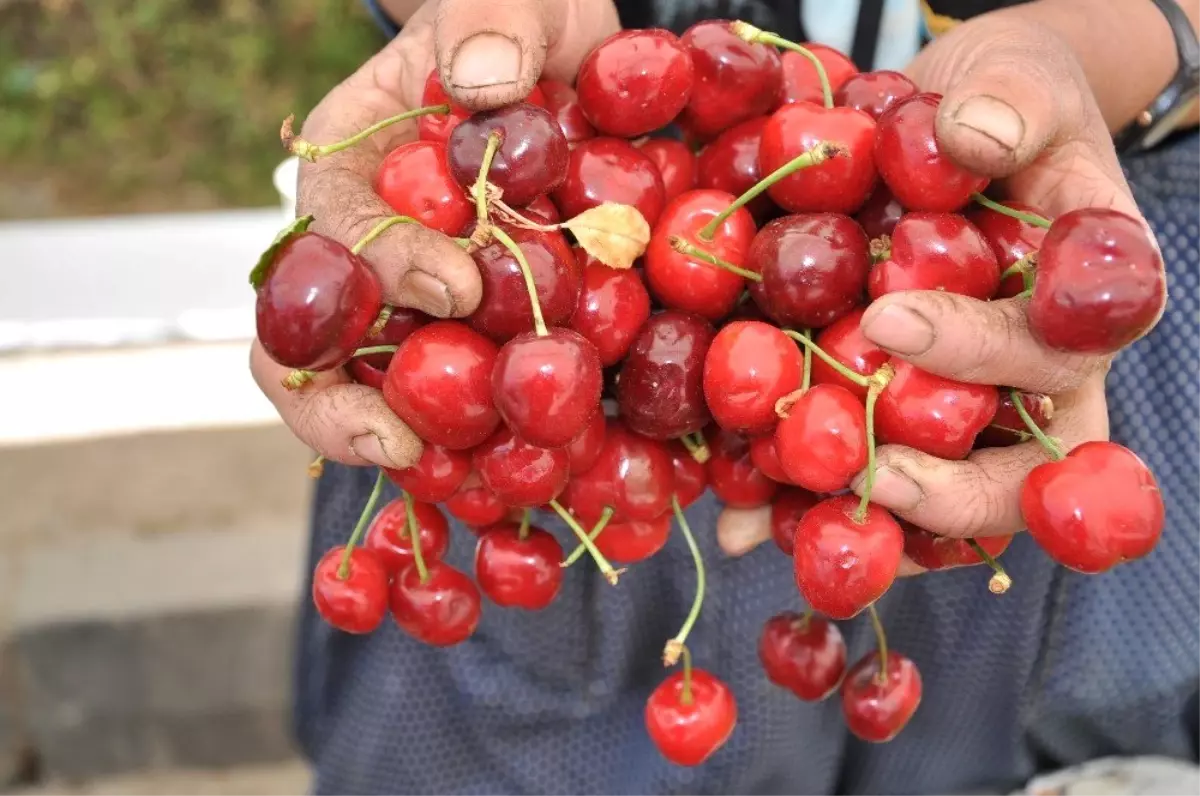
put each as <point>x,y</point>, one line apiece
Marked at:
<point>266,258</point>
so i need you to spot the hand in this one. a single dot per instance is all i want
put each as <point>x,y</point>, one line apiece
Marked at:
<point>1018,108</point>
<point>489,53</point>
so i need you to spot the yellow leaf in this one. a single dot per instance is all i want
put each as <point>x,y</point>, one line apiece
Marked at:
<point>614,234</point>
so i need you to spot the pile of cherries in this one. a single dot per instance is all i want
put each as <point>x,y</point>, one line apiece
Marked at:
<point>729,356</point>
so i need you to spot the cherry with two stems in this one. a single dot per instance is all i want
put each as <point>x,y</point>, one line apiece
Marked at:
<point>803,653</point>
<point>350,583</point>
<point>881,692</point>
<point>517,565</point>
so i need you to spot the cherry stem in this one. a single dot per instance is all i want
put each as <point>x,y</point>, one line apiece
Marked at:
<point>375,349</point>
<point>815,156</point>
<point>316,467</point>
<point>310,152</point>
<point>685,694</point>
<point>539,322</point>
<point>1025,267</point>
<point>748,33</point>
<point>1005,210</point>
<point>878,383</point>
<point>523,530</point>
<point>881,640</point>
<point>805,618</point>
<point>479,189</point>
<point>601,524</point>
<point>414,533</point>
<point>298,378</point>
<point>806,381</point>
<point>1001,581</point>
<point>857,378</point>
<point>1053,448</point>
<point>683,247</point>
<point>364,520</point>
<point>379,229</point>
<point>606,569</point>
<point>696,446</point>
<point>676,646</point>
<point>381,320</point>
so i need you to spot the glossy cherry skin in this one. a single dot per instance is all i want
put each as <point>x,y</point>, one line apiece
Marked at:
<point>521,475</point>
<point>822,442</point>
<point>1100,283</point>
<point>635,82</point>
<point>416,181</point>
<point>442,611</point>
<point>660,391</point>
<point>1010,239</point>
<point>358,603</point>
<point>515,572</point>
<point>787,509</point>
<point>874,92</point>
<point>686,283</point>
<point>676,163</point>
<point>688,734</point>
<point>935,552</point>
<point>880,214</point>
<point>911,162</point>
<point>843,182</point>
<point>439,383</point>
<point>631,541</point>
<point>691,478</point>
<point>613,304</point>
<point>841,565</point>
<point>937,251</point>
<point>634,475</point>
<point>814,268</point>
<point>389,539</point>
<point>436,476</point>
<point>610,170</point>
<point>846,343</point>
<point>531,159</point>
<point>547,388</point>
<point>805,655</point>
<point>732,475</point>
<point>1007,428</point>
<point>750,365</point>
<point>476,505</point>
<point>800,80</point>
<point>932,414</point>
<point>734,81</point>
<point>876,711</point>
<point>371,369</point>
<point>563,104</point>
<point>730,163</point>
<point>766,458</point>
<point>585,449</point>
<point>438,126</point>
<point>1098,507</point>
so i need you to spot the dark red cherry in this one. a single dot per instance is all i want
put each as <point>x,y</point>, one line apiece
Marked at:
<point>938,416</point>
<point>358,603</point>
<point>800,80</point>
<point>935,552</point>
<point>436,476</point>
<point>874,92</point>
<point>635,82</point>
<point>315,303</point>
<point>732,475</point>
<point>750,365</point>
<point>691,478</point>
<point>639,471</point>
<point>610,170</point>
<point>876,706</point>
<point>613,305</point>
<point>687,731</point>
<point>1011,239</point>
<point>804,654</point>
<point>438,127</point>
<point>676,163</point>
<point>542,206</point>
<point>371,369</point>
<point>585,450</point>
<point>521,475</point>
<point>845,342</point>
<point>530,161</point>
<point>660,391</point>
<point>814,268</point>
<point>631,541</point>
<point>439,383</point>
<point>936,251</point>
<point>563,104</point>
<point>766,458</point>
<point>734,80</point>
<point>1007,428</point>
<point>822,440</point>
<point>730,164</point>
<point>416,181</point>
<point>880,214</point>
<point>475,505</point>
<point>841,183</point>
<point>787,509</point>
<point>519,573</point>
<point>389,538</point>
<point>441,611</point>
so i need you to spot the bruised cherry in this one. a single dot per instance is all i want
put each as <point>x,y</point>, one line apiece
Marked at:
<point>519,474</point>
<point>660,391</point>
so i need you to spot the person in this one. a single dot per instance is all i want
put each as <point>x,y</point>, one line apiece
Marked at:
<point>1062,669</point>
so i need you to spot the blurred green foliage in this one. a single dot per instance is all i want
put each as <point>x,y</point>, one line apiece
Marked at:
<point>111,106</point>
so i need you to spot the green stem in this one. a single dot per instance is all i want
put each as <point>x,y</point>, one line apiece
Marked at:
<point>539,322</point>
<point>699,450</point>
<point>685,694</point>
<point>857,378</point>
<point>480,188</point>
<point>677,645</point>
<point>1005,210</point>
<point>881,641</point>
<point>523,530</point>
<point>414,533</point>
<point>364,520</point>
<point>806,381</point>
<point>379,229</point>
<point>1025,267</point>
<point>683,247</point>
<point>601,524</point>
<point>606,569</point>
<point>748,33</point>
<point>1053,448</point>
<point>381,320</point>
<point>879,381</point>
<point>310,152</point>
<point>375,349</point>
<point>1000,581</point>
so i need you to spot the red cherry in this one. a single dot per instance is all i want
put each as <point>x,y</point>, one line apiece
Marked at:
<point>1098,507</point>
<point>388,537</point>
<point>358,603</point>
<point>732,475</point>
<point>439,383</point>
<point>765,457</point>
<point>639,471</point>
<point>845,342</point>
<point>675,163</point>
<point>730,164</point>
<point>631,541</point>
<point>563,104</point>
<point>441,611</point>
<point>1100,283</point>
<point>932,414</point>
<point>521,475</point>
<point>543,206</point>
<point>937,251</point>
<point>547,388</point>
<point>1007,428</point>
<point>531,159</point>
<point>814,268</point>
<point>840,184</point>
<point>800,80</point>
<point>635,82</point>
<point>589,493</point>
<point>613,305</point>
<point>415,180</point>
<point>660,391</point>
<point>822,442</point>
<point>843,565</point>
<point>691,478</point>
<point>880,214</point>
<point>585,450</point>
<point>787,509</point>
<point>436,476</point>
<point>610,170</point>
<point>476,505</point>
<point>687,732</point>
<point>876,709</point>
<point>1011,239</point>
<point>874,92</point>
<point>734,80</point>
<point>749,367</point>
<point>516,572</point>
<point>911,162</point>
<point>371,369</point>
<point>804,654</point>
<point>438,127</point>
<point>935,552</point>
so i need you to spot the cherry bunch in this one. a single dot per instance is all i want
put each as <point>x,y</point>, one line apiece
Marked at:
<point>709,296</point>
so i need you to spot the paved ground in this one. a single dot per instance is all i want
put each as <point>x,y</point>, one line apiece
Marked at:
<point>283,779</point>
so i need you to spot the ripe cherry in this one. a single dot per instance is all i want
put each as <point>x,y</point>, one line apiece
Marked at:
<point>911,162</point>
<point>519,474</point>
<point>676,163</point>
<point>1011,239</point>
<point>800,80</point>
<point>439,383</point>
<point>631,541</point>
<point>635,82</point>
<point>391,542</point>
<point>730,164</point>
<point>585,449</point>
<point>589,493</point>
<point>804,654</point>
<point>1007,428</point>
<point>436,476</point>
<point>734,80</point>
<point>371,369</point>
<point>1098,507</point>
<point>563,104</point>
<point>357,603</point>
<point>519,570</point>
<point>543,206</point>
<point>841,183</point>
<point>822,440</point>
<point>843,564</point>
<point>476,505</point>
<point>610,170</point>
<point>935,552</point>
<point>691,478</point>
<point>749,367</point>
<point>416,181</point>
<point>732,475</point>
<point>613,304</point>
<point>880,214</point>
<point>932,414</point>
<point>639,471</point>
<point>787,509</point>
<point>688,721</point>
<point>874,92</point>
<point>660,391</point>
<point>936,251</point>
<point>878,705</point>
<point>530,160</point>
<point>845,342</point>
<point>442,610</point>
<point>765,457</point>
<point>438,127</point>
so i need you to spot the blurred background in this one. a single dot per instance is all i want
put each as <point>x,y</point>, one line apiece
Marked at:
<point>154,510</point>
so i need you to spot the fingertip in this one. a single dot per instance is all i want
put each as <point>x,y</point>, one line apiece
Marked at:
<point>490,54</point>
<point>423,269</point>
<point>741,530</point>
<point>984,134</point>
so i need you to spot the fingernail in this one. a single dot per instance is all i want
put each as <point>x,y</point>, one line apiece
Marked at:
<point>428,294</point>
<point>369,447</point>
<point>899,329</point>
<point>993,118</point>
<point>485,59</point>
<point>893,489</point>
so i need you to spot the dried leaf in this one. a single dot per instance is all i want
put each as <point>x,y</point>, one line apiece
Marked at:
<point>259,273</point>
<point>614,234</point>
